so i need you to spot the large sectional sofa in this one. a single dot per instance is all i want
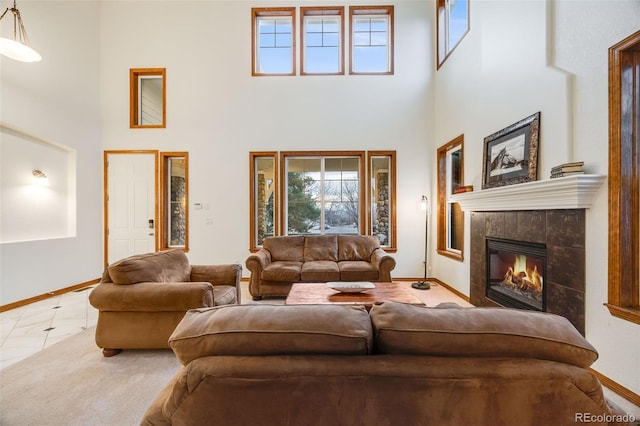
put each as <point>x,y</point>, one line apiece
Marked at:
<point>397,365</point>
<point>285,260</point>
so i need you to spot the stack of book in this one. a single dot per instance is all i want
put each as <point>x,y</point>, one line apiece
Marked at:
<point>567,169</point>
<point>462,189</point>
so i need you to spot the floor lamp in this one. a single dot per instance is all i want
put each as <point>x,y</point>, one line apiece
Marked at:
<point>424,284</point>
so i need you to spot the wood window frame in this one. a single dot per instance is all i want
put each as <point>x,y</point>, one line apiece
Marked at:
<point>165,200</point>
<point>253,193</point>
<point>258,12</point>
<point>441,214</point>
<point>442,30</point>
<point>372,10</point>
<point>134,101</point>
<point>393,244</point>
<point>321,11</point>
<point>324,154</point>
<point>624,179</point>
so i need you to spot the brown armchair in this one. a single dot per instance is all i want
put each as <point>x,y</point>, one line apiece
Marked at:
<point>142,298</point>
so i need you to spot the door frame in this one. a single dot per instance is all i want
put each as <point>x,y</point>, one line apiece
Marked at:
<point>105,195</point>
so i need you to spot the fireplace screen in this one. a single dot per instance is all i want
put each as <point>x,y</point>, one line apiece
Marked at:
<point>515,273</point>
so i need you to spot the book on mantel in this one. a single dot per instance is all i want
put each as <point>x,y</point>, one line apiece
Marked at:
<point>567,169</point>
<point>462,189</point>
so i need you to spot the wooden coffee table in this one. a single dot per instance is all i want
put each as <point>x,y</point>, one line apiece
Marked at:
<point>320,293</point>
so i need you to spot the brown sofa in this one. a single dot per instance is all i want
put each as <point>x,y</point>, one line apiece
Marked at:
<point>397,365</point>
<point>283,261</point>
<point>142,298</point>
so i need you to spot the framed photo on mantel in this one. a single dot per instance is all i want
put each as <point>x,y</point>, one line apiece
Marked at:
<point>511,154</point>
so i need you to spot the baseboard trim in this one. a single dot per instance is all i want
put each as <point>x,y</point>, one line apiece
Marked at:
<point>627,394</point>
<point>24,302</point>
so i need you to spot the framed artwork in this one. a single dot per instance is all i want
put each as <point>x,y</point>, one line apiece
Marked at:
<point>511,154</point>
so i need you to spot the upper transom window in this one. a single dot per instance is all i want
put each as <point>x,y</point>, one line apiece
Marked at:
<point>322,35</point>
<point>371,39</point>
<point>273,46</point>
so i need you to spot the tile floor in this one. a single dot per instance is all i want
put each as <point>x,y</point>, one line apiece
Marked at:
<point>34,327</point>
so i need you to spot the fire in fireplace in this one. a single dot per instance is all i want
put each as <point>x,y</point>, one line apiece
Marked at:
<point>515,273</point>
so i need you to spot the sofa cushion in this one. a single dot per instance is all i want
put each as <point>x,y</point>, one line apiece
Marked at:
<point>358,270</point>
<point>321,247</point>
<point>165,266</point>
<point>320,270</point>
<point>356,247</point>
<point>282,271</point>
<point>224,295</point>
<point>478,332</point>
<point>285,248</point>
<point>260,330</point>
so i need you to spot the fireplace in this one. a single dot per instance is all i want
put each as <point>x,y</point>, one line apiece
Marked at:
<point>516,273</point>
<point>560,232</point>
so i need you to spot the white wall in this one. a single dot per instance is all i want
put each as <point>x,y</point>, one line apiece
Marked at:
<point>550,56</point>
<point>57,100</point>
<point>219,113</point>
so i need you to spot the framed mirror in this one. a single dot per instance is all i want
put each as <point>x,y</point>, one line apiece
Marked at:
<point>147,87</point>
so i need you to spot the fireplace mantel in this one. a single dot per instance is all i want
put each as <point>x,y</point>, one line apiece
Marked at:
<point>570,192</point>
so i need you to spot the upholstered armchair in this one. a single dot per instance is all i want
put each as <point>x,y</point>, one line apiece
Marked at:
<point>142,298</point>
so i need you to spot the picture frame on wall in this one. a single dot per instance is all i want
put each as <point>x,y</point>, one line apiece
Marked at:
<point>511,154</point>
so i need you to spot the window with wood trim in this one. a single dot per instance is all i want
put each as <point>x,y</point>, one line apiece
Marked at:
<point>147,98</point>
<point>453,23</point>
<point>322,38</point>
<point>273,47</point>
<point>174,200</point>
<point>382,197</point>
<point>371,48</point>
<point>263,192</point>
<point>624,179</point>
<point>449,215</point>
<point>322,193</point>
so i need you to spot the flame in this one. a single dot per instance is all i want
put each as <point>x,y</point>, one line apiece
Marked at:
<point>523,278</point>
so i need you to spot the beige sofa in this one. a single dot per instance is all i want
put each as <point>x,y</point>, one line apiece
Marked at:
<point>397,365</point>
<point>283,261</point>
<point>142,298</point>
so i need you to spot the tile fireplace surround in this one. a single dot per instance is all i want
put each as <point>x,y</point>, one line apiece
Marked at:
<point>550,212</point>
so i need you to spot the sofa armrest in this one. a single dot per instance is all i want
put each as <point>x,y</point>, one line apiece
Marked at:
<point>229,274</point>
<point>258,260</point>
<point>384,263</point>
<point>152,297</point>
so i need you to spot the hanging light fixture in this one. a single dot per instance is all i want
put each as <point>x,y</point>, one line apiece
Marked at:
<point>17,48</point>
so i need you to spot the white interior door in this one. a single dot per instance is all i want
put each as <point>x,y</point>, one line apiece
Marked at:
<point>131,204</point>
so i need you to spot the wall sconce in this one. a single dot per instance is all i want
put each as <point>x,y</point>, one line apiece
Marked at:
<point>41,178</point>
<point>17,48</point>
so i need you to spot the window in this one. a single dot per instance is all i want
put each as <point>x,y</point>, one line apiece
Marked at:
<point>453,25</point>
<point>624,179</point>
<point>273,46</point>
<point>450,215</point>
<point>174,199</point>
<point>322,40</point>
<point>371,39</point>
<point>324,193</point>
<point>264,186</point>
<point>382,194</point>
<point>147,98</point>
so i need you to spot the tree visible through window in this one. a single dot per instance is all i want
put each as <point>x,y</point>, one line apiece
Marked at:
<point>323,194</point>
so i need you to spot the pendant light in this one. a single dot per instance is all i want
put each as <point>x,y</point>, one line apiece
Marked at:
<point>17,48</point>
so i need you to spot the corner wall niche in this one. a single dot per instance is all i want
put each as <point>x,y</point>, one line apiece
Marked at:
<point>35,208</point>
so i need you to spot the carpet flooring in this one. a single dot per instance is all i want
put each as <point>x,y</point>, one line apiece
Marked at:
<point>71,383</point>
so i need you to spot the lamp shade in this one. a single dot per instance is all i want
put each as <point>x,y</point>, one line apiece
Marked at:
<point>18,51</point>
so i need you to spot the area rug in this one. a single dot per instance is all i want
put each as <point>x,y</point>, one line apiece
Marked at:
<point>71,383</point>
